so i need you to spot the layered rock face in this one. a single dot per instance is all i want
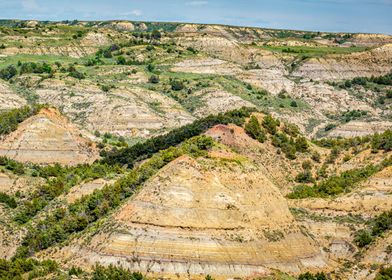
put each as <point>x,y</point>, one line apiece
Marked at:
<point>203,216</point>
<point>48,138</point>
<point>364,64</point>
<point>126,111</point>
<point>8,99</point>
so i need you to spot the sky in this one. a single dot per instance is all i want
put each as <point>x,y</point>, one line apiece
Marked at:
<point>369,16</point>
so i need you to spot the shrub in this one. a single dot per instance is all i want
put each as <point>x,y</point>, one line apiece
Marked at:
<point>12,165</point>
<point>301,144</point>
<point>19,268</point>
<point>8,72</point>
<point>37,68</point>
<point>385,273</point>
<point>382,141</point>
<point>337,184</point>
<point>154,79</point>
<point>291,129</point>
<point>270,124</point>
<point>114,273</point>
<point>329,127</point>
<point>75,73</point>
<point>177,85</point>
<point>363,238</point>
<point>376,227</point>
<point>310,276</point>
<point>150,67</point>
<point>59,179</point>
<point>254,130</point>
<point>304,177</point>
<point>121,60</point>
<point>156,35</point>
<point>7,200</point>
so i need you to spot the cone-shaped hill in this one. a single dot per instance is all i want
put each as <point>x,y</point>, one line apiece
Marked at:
<point>46,138</point>
<point>201,216</point>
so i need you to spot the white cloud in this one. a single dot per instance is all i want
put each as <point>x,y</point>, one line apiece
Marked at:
<point>30,5</point>
<point>196,3</point>
<point>136,13</point>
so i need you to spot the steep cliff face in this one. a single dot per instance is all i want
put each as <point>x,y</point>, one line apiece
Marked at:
<point>48,138</point>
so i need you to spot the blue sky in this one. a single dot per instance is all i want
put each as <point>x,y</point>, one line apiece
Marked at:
<point>373,16</point>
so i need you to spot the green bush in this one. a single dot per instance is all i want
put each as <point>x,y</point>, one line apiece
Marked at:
<point>376,227</point>
<point>7,200</point>
<point>304,177</point>
<point>9,72</point>
<point>154,79</point>
<point>121,60</point>
<point>382,141</point>
<point>310,276</point>
<point>385,273</point>
<point>38,68</point>
<point>20,268</point>
<point>75,73</point>
<point>12,165</point>
<point>115,273</point>
<point>270,124</point>
<point>363,238</point>
<point>177,85</point>
<point>254,130</point>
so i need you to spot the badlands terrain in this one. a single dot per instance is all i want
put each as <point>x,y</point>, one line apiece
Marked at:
<point>139,150</point>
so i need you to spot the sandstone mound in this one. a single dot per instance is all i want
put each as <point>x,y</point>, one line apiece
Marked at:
<point>199,217</point>
<point>48,138</point>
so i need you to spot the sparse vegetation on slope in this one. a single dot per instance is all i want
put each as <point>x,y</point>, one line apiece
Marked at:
<point>59,180</point>
<point>9,120</point>
<point>338,184</point>
<point>144,150</point>
<point>376,228</point>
